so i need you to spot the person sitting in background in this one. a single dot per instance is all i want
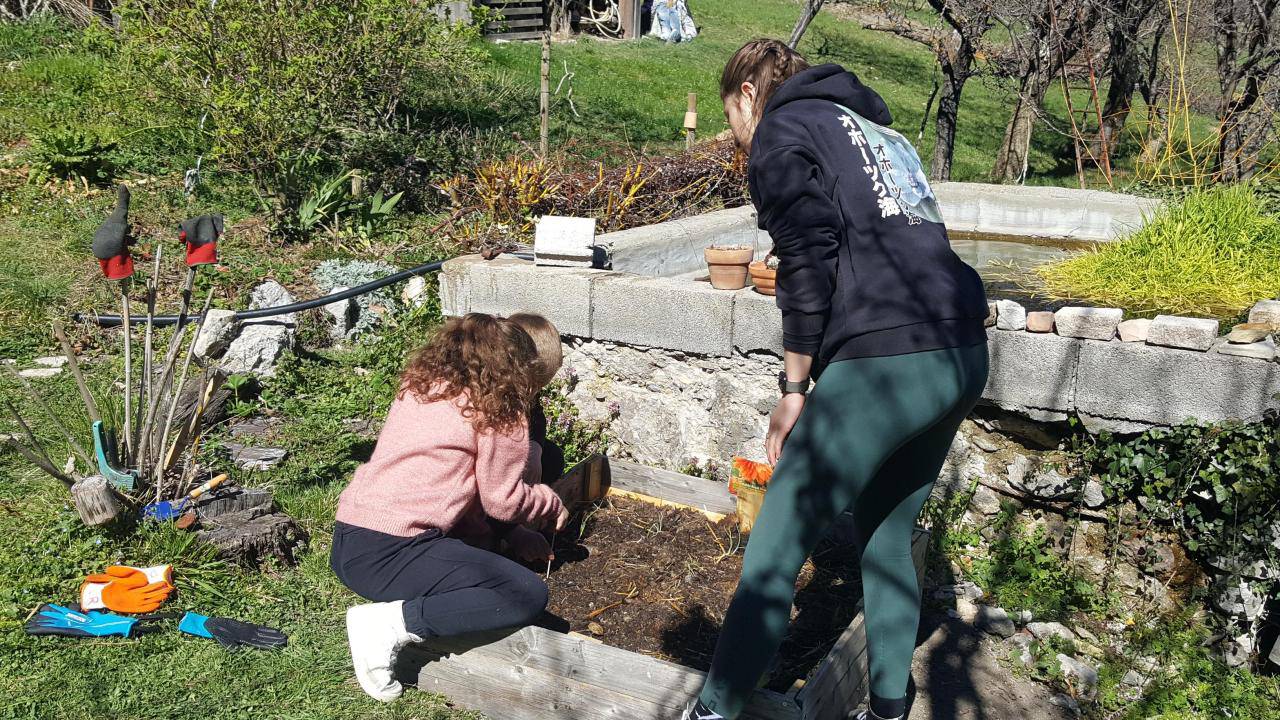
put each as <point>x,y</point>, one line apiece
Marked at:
<point>482,531</point>
<point>456,443</point>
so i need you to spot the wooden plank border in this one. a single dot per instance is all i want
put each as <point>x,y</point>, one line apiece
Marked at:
<point>534,673</point>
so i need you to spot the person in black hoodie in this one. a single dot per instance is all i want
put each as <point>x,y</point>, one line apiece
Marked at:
<point>877,308</point>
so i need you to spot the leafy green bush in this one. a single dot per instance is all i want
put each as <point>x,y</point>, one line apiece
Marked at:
<point>1218,486</point>
<point>1023,572</point>
<point>1190,681</point>
<point>72,154</point>
<point>282,78</point>
<point>1214,253</point>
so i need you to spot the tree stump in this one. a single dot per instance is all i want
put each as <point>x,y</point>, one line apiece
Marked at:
<point>95,501</point>
<point>246,527</point>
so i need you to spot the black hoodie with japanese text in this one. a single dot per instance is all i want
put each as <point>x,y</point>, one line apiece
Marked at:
<point>865,266</point>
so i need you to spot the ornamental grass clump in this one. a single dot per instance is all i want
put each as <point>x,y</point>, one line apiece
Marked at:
<point>1213,254</point>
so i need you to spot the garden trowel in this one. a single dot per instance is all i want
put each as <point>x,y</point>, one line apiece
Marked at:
<point>171,509</point>
<point>107,455</point>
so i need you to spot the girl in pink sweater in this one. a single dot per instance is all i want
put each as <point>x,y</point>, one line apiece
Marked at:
<point>455,452</point>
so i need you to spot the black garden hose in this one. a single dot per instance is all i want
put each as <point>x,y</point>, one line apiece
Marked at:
<point>158,320</point>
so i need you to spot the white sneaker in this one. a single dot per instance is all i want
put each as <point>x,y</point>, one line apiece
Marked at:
<point>376,633</point>
<point>696,711</point>
<point>868,715</point>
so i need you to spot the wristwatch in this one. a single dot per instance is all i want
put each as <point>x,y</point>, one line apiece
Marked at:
<point>787,387</point>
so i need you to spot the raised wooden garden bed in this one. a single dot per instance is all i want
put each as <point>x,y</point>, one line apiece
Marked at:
<point>536,673</point>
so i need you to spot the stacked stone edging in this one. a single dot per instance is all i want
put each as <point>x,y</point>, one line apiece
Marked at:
<point>1157,372</point>
<point>1078,368</point>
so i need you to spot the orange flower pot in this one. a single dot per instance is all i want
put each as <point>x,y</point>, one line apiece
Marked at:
<point>764,278</point>
<point>728,266</point>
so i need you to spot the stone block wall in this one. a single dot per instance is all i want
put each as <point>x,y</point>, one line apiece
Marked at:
<point>693,370</point>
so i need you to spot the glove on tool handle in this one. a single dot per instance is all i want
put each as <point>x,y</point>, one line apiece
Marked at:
<point>233,634</point>
<point>53,619</point>
<point>201,236</point>
<point>111,240</point>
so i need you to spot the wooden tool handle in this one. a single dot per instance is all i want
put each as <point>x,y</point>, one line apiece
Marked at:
<point>208,486</point>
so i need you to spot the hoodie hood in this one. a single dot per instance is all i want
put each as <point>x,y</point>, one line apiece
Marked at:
<point>834,84</point>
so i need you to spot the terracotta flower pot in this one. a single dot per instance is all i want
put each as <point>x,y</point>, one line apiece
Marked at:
<point>763,277</point>
<point>728,266</point>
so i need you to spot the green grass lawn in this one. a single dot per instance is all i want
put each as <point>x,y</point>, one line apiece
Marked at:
<point>635,92</point>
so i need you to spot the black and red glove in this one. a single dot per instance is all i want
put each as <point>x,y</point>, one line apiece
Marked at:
<point>201,236</point>
<point>111,240</point>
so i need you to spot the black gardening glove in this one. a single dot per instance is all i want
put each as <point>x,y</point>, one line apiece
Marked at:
<point>111,240</point>
<point>233,634</point>
<point>201,236</point>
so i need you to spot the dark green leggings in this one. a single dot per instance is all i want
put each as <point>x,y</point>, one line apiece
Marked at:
<point>871,439</point>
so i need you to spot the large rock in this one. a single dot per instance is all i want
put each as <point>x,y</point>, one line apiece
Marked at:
<point>262,341</point>
<point>1238,600</point>
<point>985,501</point>
<point>1187,333</point>
<point>1040,322</point>
<point>371,307</point>
<point>1089,323</point>
<point>1046,630</point>
<point>1136,330</point>
<point>1081,674</point>
<point>995,621</point>
<point>1262,350</point>
<point>1266,311</point>
<point>216,333</point>
<point>1042,482</point>
<point>342,314</point>
<point>1010,315</point>
<point>1238,651</point>
<point>1246,333</point>
<point>1094,497</point>
<point>40,373</point>
<point>414,293</point>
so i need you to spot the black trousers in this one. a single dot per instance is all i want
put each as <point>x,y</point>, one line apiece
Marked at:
<point>449,587</point>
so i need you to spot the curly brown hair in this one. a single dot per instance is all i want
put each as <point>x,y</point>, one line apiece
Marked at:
<point>489,359</point>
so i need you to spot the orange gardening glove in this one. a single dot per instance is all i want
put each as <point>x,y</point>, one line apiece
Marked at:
<point>127,589</point>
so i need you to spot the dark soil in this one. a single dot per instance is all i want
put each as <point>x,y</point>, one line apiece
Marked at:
<point>658,580</point>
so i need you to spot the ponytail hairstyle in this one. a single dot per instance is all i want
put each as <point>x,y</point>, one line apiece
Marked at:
<point>764,63</point>
<point>488,364</point>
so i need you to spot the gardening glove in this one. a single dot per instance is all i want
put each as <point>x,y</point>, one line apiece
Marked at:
<point>201,236</point>
<point>58,620</point>
<point>232,634</point>
<point>111,240</point>
<point>127,589</point>
<point>529,545</point>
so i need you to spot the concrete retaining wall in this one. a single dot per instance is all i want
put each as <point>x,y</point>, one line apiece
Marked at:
<point>1110,384</point>
<point>675,247</point>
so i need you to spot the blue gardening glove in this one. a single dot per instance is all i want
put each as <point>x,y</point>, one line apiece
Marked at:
<point>58,620</point>
<point>232,634</point>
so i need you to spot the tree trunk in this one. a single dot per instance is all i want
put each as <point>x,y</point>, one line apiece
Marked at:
<point>1011,164</point>
<point>1126,54</point>
<point>954,76</point>
<point>811,8</point>
<point>561,20</point>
